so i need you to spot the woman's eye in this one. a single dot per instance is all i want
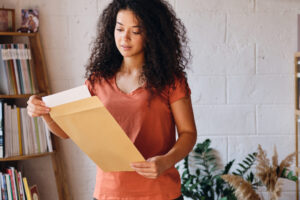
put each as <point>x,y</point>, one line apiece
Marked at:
<point>137,33</point>
<point>119,29</point>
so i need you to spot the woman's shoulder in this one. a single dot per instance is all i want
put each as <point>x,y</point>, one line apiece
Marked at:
<point>178,89</point>
<point>93,83</point>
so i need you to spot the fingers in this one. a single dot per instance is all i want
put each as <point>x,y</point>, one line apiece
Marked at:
<point>146,169</point>
<point>35,110</point>
<point>36,107</point>
<point>148,175</point>
<point>142,164</point>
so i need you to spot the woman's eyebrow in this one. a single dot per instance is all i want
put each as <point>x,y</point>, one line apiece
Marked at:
<point>136,26</point>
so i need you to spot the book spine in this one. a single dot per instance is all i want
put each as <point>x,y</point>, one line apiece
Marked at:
<point>37,135</point>
<point>15,134</point>
<point>30,71</point>
<point>48,137</point>
<point>17,190</point>
<point>4,186</point>
<point>14,67</point>
<point>22,192</point>
<point>25,122</point>
<point>4,84</point>
<point>2,153</point>
<point>5,58</point>
<point>1,183</point>
<point>19,68</point>
<point>27,191</point>
<point>20,132</point>
<point>10,67</point>
<point>12,182</point>
<point>9,187</point>
<point>25,72</point>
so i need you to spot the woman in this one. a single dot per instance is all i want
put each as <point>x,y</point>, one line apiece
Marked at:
<point>137,70</point>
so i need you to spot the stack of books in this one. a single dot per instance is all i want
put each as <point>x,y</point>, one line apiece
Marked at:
<point>14,186</point>
<point>21,134</point>
<point>17,74</point>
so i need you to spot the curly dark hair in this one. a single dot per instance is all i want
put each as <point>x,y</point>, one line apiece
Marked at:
<point>166,51</point>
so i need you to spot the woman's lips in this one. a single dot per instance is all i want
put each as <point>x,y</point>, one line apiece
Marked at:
<point>126,48</point>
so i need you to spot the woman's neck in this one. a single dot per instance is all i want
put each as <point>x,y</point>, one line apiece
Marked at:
<point>132,65</point>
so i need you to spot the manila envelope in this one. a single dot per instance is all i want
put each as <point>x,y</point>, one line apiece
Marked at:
<point>89,124</point>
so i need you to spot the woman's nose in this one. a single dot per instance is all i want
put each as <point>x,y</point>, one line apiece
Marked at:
<point>126,35</point>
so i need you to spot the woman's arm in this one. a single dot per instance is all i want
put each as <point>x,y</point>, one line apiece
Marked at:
<point>187,134</point>
<point>54,128</point>
<point>37,108</point>
<point>184,118</point>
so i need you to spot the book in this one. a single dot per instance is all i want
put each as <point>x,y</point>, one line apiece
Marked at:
<point>21,188</point>
<point>17,62</point>
<point>2,129</point>
<point>7,130</point>
<point>4,188</point>
<point>13,54</point>
<point>16,182</point>
<point>4,82</point>
<point>49,141</point>
<point>34,192</point>
<point>19,132</point>
<point>10,171</point>
<point>9,187</point>
<point>17,74</point>
<point>27,190</point>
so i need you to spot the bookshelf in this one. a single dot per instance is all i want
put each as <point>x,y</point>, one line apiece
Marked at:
<point>39,65</point>
<point>297,114</point>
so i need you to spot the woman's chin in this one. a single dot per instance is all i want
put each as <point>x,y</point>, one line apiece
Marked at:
<point>130,54</point>
<point>127,54</point>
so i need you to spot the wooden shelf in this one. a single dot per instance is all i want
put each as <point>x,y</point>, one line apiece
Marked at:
<point>16,158</point>
<point>297,112</point>
<point>39,65</point>
<point>19,96</point>
<point>17,34</point>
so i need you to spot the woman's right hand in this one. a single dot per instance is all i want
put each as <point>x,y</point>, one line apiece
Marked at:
<point>36,107</point>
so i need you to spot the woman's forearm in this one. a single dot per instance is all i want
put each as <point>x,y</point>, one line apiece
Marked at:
<point>182,147</point>
<point>54,128</point>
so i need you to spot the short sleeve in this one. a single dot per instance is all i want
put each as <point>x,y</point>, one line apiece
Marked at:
<point>180,90</point>
<point>90,87</point>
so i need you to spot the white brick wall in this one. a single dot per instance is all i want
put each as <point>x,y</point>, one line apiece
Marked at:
<point>241,75</point>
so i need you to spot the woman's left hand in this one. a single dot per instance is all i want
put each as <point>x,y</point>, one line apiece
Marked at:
<point>152,168</point>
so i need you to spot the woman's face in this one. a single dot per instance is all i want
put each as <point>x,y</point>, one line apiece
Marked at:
<point>129,36</point>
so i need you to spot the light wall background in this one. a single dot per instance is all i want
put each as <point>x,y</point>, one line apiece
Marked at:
<point>241,76</point>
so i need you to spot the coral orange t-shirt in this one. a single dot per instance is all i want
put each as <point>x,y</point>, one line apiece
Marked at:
<point>151,129</point>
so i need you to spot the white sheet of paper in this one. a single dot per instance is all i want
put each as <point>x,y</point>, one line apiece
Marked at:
<point>67,96</point>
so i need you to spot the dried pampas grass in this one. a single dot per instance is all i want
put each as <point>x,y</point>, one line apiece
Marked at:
<point>275,158</point>
<point>277,190</point>
<point>270,174</point>
<point>264,171</point>
<point>243,189</point>
<point>286,163</point>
